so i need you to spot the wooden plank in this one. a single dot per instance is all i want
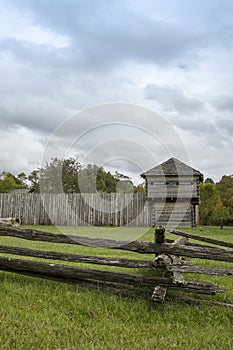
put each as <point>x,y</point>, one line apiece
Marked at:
<point>200,238</point>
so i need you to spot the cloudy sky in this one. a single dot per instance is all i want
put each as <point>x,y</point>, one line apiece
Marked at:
<point>133,82</point>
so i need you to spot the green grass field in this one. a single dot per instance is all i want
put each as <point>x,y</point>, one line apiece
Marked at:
<point>40,314</point>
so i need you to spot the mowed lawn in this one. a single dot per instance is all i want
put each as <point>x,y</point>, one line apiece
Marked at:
<point>41,314</point>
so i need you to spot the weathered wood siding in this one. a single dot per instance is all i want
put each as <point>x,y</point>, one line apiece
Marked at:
<point>173,214</point>
<point>172,187</point>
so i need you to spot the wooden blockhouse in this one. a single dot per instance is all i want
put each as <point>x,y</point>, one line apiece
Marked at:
<point>173,194</point>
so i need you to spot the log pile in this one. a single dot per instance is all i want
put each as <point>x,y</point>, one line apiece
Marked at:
<point>167,269</point>
<point>12,222</point>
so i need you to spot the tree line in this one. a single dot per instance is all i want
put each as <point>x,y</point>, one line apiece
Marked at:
<point>217,201</point>
<point>69,176</point>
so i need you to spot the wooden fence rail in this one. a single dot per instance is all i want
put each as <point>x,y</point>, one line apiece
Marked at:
<point>14,265</point>
<point>201,252</point>
<point>168,261</point>
<point>202,239</point>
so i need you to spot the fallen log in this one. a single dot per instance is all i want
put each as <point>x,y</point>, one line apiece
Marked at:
<point>10,222</point>
<point>28,266</point>
<point>203,239</point>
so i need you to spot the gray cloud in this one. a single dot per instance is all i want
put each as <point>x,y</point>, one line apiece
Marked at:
<point>113,50</point>
<point>172,98</point>
<point>197,126</point>
<point>105,34</point>
<point>35,113</point>
<point>40,56</point>
<point>225,127</point>
<point>113,132</point>
<point>107,39</point>
<point>21,149</point>
<point>224,103</point>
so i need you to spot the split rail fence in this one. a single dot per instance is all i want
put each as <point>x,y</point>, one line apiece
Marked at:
<point>166,268</point>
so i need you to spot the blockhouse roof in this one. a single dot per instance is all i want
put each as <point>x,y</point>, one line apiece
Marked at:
<point>172,167</point>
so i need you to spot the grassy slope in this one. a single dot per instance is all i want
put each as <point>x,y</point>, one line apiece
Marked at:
<point>38,314</point>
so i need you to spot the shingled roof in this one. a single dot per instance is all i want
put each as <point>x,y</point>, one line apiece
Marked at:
<point>172,167</point>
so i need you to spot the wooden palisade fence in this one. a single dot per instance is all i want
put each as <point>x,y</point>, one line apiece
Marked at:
<point>75,209</point>
<point>95,209</point>
<point>169,260</point>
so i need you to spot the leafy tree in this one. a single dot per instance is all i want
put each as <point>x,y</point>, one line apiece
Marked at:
<point>22,180</point>
<point>67,175</point>
<point>94,179</point>
<point>70,170</point>
<point>110,182</point>
<point>125,184</point>
<point>8,181</point>
<point>225,188</point>
<point>60,175</point>
<point>211,208</point>
<point>87,179</point>
<point>209,181</point>
<point>140,188</point>
<point>34,179</point>
<point>120,176</point>
<point>105,181</point>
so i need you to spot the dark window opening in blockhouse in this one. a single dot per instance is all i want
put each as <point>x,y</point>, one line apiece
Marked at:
<point>152,183</point>
<point>172,183</point>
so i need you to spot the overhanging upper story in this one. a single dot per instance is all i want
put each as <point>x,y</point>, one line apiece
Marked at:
<point>173,180</point>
